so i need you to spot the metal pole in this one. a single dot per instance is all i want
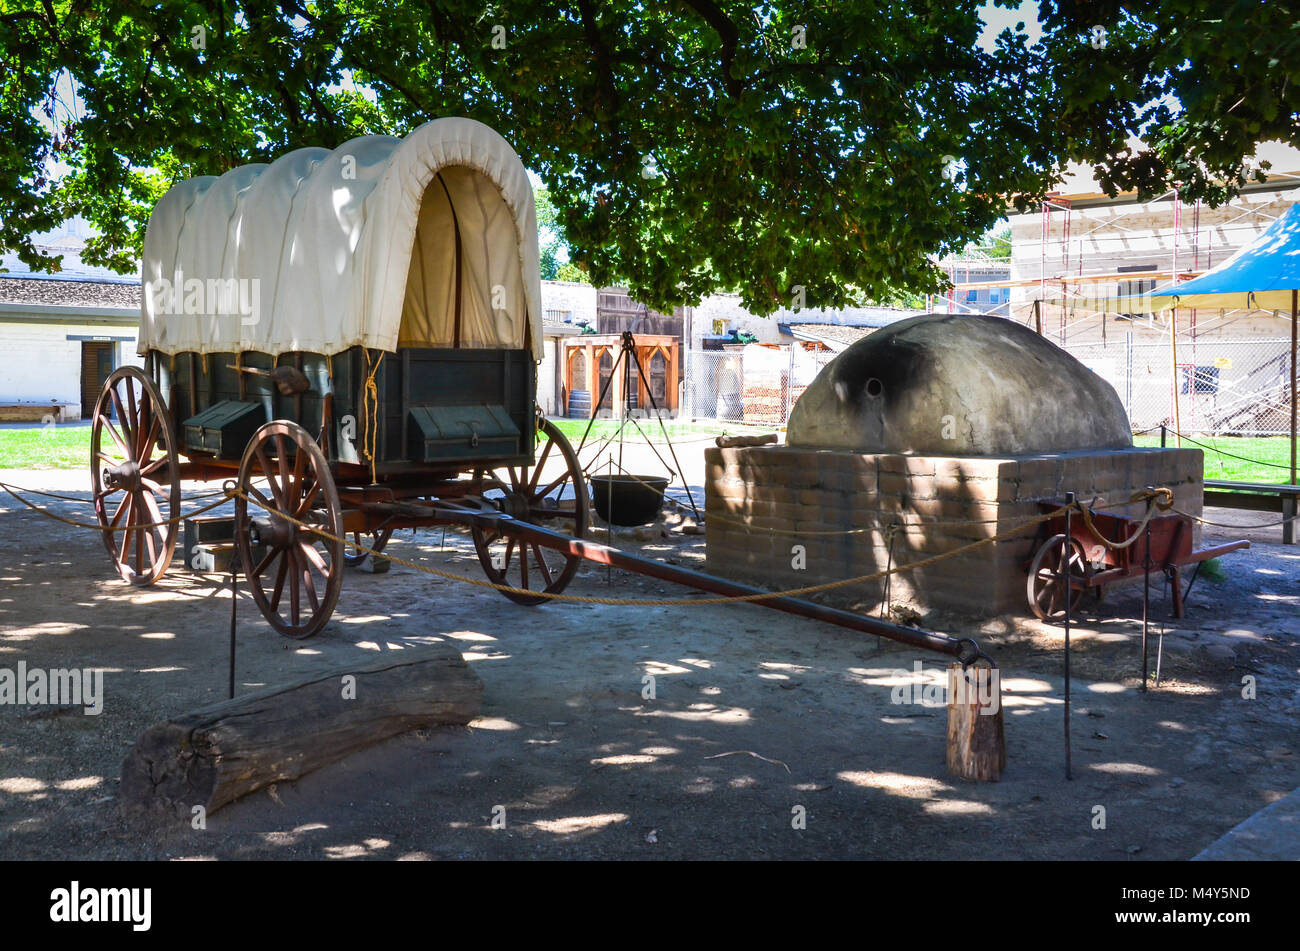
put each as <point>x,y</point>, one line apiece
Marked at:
<point>1128,371</point>
<point>1069,593</point>
<point>663,429</point>
<point>1173,326</point>
<point>234,574</point>
<point>1295,315</point>
<point>1146,589</point>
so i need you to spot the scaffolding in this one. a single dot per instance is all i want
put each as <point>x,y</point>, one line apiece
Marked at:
<point>1068,298</point>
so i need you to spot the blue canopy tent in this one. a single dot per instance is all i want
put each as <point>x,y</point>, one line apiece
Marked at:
<point>1264,275</point>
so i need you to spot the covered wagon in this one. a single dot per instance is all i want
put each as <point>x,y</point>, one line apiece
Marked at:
<point>351,336</point>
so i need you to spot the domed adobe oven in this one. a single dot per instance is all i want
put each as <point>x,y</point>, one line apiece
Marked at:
<point>920,439</point>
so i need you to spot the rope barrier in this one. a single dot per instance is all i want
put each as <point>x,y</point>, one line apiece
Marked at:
<point>113,528</point>
<point>1204,521</point>
<point>1163,497</point>
<point>90,501</point>
<point>657,602</point>
<point>1231,455</point>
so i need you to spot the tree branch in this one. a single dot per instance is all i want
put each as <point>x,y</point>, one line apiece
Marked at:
<point>729,36</point>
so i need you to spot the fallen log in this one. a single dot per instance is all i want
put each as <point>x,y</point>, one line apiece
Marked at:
<point>213,756</point>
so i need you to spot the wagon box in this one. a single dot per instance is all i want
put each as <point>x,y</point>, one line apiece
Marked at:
<point>224,428</point>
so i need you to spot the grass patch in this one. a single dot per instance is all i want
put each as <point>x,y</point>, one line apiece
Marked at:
<point>603,429</point>
<point>1221,460</point>
<point>46,447</point>
<point>68,446</point>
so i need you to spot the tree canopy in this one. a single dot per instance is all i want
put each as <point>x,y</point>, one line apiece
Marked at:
<point>795,150</point>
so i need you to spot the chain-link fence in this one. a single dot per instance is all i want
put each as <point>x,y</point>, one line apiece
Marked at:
<point>748,384</point>
<point>1222,387</point>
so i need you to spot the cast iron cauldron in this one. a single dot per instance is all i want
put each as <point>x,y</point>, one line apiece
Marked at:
<point>628,499</point>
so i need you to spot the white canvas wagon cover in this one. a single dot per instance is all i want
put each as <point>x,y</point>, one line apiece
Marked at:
<point>370,244</point>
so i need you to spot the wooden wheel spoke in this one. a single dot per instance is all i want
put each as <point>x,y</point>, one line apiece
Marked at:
<point>126,436</point>
<point>307,500</point>
<point>138,518</point>
<point>283,557</point>
<point>154,466</point>
<point>124,554</point>
<point>523,565</point>
<point>537,469</point>
<point>310,554</point>
<point>151,440</point>
<point>541,563</point>
<point>282,464</point>
<point>135,414</point>
<point>295,488</point>
<point>143,428</point>
<point>310,588</point>
<point>154,515</point>
<point>551,486</point>
<point>295,574</point>
<point>121,509</point>
<point>275,488</point>
<point>257,493</point>
<point>116,437</point>
<point>264,563</point>
<point>149,541</point>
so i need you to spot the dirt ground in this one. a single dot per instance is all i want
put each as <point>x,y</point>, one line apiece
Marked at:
<point>755,715</point>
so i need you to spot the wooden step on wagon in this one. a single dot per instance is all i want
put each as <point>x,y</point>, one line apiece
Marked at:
<point>1113,548</point>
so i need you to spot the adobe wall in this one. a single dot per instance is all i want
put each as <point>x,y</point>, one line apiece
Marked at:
<point>762,502</point>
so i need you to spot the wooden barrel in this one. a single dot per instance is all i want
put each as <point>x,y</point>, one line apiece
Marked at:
<point>580,404</point>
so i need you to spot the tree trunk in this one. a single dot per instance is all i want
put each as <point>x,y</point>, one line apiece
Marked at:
<point>215,755</point>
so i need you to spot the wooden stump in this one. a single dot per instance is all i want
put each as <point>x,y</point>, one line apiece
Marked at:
<point>217,754</point>
<point>977,747</point>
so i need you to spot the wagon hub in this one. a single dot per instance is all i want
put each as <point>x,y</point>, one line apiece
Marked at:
<point>515,504</point>
<point>274,532</point>
<point>126,476</point>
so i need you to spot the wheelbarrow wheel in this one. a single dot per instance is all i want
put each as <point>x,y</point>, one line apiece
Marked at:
<point>132,469</point>
<point>1046,582</point>
<point>552,492</point>
<point>293,573</point>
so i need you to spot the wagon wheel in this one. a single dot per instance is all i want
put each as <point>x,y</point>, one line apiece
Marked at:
<point>553,491</point>
<point>1045,585</point>
<point>303,570</point>
<point>132,467</point>
<point>352,554</point>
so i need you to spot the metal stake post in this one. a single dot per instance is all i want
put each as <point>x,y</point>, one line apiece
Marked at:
<point>1146,587</point>
<point>1069,592</point>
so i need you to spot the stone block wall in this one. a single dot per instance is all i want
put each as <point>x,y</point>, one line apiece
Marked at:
<point>838,506</point>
